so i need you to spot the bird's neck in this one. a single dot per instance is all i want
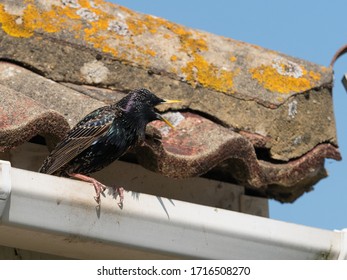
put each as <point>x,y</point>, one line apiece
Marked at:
<point>135,123</point>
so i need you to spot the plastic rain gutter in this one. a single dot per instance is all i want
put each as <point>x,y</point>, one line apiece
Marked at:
<point>58,216</point>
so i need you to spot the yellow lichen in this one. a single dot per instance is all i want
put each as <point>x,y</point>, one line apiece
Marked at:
<point>139,25</point>
<point>49,21</point>
<point>274,80</point>
<point>325,69</point>
<point>150,52</point>
<point>206,74</point>
<point>96,31</point>
<point>190,41</point>
<point>100,2</point>
<point>233,58</point>
<point>135,26</point>
<point>35,19</point>
<point>194,45</point>
<point>173,58</point>
<point>14,25</point>
<point>126,10</point>
<point>315,76</point>
<point>107,49</point>
<point>84,3</point>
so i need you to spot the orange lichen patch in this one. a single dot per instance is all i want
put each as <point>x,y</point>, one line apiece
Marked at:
<point>315,76</point>
<point>177,29</point>
<point>190,41</point>
<point>47,20</point>
<point>206,74</point>
<point>99,34</point>
<point>150,52</point>
<point>194,45</point>
<point>110,34</point>
<point>325,69</point>
<point>153,23</point>
<point>35,19</point>
<point>84,3</point>
<point>98,40</point>
<point>276,81</point>
<point>99,28</point>
<point>57,19</point>
<point>124,9</point>
<point>139,25</point>
<point>173,58</point>
<point>11,27</point>
<point>68,13</point>
<point>108,49</point>
<point>100,2</point>
<point>135,26</point>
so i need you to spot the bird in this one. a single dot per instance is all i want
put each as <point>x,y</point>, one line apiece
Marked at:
<point>102,136</point>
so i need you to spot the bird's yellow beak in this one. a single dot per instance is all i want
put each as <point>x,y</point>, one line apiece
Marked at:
<point>168,101</point>
<point>160,117</point>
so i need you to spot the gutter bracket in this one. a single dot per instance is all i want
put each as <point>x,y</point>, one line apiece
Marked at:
<point>5,184</point>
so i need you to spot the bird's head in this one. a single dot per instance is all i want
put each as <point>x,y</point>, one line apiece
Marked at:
<point>142,102</point>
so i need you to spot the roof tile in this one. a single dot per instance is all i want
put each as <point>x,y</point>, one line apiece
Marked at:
<point>22,118</point>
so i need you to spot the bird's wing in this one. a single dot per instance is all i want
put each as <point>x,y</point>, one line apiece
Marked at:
<point>78,139</point>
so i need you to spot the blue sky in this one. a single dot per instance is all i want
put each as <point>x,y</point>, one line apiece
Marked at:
<point>311,30</point>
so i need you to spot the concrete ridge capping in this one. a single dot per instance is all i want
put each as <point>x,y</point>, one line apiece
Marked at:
<point>280,105</point>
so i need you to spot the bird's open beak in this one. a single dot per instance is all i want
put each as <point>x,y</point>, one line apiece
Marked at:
<point>160,117</point>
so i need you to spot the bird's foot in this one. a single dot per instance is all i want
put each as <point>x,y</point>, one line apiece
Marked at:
<point>120,191</point>
<point>99,188</point>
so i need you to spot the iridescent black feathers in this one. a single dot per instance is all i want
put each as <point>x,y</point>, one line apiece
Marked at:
<point>104,135</point>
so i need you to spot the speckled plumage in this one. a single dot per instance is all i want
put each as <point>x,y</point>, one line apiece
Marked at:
<point>103,135</point>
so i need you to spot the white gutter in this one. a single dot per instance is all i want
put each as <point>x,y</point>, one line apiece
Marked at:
<point>5,184</point>
<point>58,216</point>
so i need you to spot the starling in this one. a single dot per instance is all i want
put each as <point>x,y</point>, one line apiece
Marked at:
<point>103,136</point>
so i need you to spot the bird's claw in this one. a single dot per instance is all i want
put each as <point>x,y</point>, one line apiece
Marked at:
<point>120,191</point>
<point>99,189</point>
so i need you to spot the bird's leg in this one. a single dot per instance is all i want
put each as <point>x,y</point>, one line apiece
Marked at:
<point>99,188</point>
<point>120,191</point>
